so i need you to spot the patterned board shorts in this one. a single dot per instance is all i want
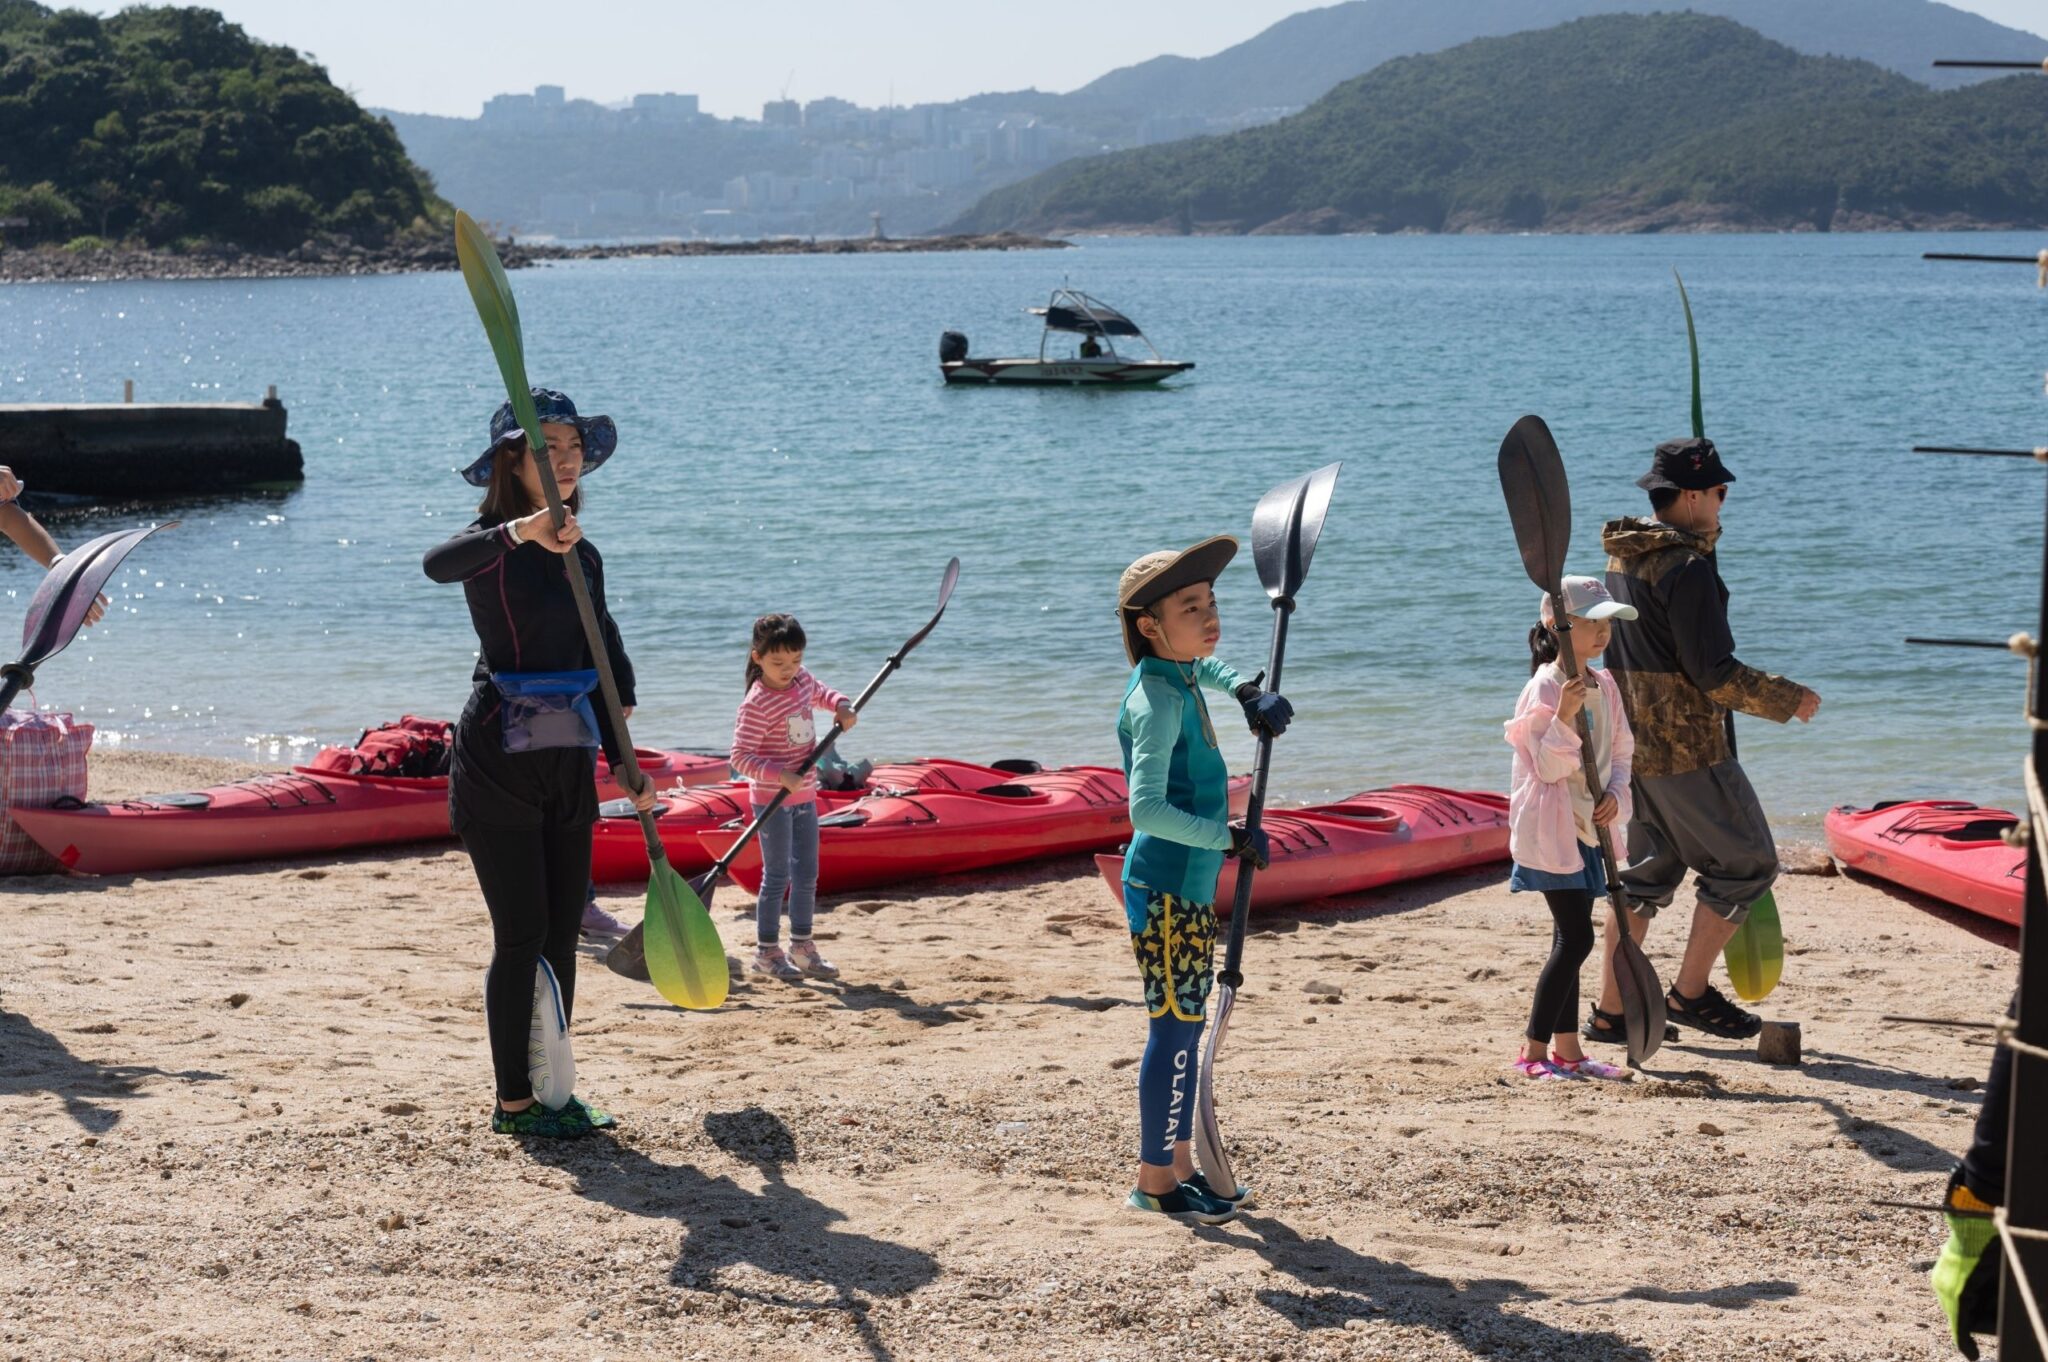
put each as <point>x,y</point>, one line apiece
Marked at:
<point>1175,947</point>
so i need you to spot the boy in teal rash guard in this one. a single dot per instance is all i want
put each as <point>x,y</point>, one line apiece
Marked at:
<point>1180,821</point>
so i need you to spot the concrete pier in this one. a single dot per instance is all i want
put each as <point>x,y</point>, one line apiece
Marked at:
<point>148,449</point>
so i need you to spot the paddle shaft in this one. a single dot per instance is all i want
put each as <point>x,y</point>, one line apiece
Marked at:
<point>586,611</point>
<point>1568,658</point>
<point>1255,807</point>
<point>1982,259</point>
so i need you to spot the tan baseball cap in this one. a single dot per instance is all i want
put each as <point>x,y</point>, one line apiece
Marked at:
<point>1158,575</point>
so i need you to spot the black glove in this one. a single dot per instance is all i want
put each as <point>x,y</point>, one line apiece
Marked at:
<point>1249,844</point>
<point>1266,712</point>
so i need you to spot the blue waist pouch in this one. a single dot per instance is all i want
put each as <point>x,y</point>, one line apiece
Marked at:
<point>547,709</point>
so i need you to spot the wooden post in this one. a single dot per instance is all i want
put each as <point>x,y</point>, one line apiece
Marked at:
<point>2026,1171</point>
<point>127,390</point>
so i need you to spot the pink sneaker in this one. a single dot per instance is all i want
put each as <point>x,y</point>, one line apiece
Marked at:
<point>1540,1071</point>
<point>1592,1068</point>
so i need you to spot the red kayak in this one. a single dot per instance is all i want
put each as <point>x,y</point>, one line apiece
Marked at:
<point>307,810</point>
<point>1948,849</point>
<point>1403,832</point>
<point>618,849</point>
<point>891,838</point>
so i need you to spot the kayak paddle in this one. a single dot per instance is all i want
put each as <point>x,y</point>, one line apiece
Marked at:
<point>632,956</point>
<point>688,963</point>
<point>61,601</point>
<point>1755,956</point>
<point>1539,501</point>
<point>1285,526</point>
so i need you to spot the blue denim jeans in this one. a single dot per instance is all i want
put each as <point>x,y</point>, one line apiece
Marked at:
<point>789,866</point>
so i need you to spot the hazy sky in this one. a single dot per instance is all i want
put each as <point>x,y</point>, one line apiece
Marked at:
<point>447,57</point>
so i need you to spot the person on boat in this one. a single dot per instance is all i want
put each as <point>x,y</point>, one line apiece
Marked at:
<point>1680,683</point>
<point>771,735</point>
<point>32,539</point>
<point>1966,1275</point>
<point>522,791</point>
<point>1553,816</point>
<point>1090,348</point>
<point>1181,831</point>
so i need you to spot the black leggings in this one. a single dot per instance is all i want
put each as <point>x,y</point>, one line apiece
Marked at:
<point>533,881</point>
<point>1571,940</point>
<point>1984,1165</point>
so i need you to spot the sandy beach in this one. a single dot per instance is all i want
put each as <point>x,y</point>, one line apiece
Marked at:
<point>245,1117</point>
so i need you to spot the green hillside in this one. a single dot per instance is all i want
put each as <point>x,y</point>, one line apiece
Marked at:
<point>1300,58</point>
<point>171,125</point>
<point>1622,122</point>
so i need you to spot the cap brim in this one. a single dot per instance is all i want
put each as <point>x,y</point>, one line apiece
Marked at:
<point>1607,610</point>
<point>1203,562</point>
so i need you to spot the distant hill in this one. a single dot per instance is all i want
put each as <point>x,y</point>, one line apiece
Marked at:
<point>1621,123</point>
<point>171,125</point>
<point>1303,56</point>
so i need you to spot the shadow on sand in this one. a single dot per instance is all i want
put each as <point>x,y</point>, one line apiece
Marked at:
<point>779,1231</point>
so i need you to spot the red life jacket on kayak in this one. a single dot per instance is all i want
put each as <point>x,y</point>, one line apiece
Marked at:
<point>412,747</point>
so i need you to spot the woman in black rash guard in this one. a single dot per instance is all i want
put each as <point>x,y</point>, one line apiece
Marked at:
<point>522,785</point>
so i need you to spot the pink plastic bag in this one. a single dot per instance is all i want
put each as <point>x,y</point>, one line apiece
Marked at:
<point>42,759</point>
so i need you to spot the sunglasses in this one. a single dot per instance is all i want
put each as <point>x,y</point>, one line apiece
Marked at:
<point>1717,493</point>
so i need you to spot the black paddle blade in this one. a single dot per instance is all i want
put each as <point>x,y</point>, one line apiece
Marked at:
<point>68,590</point>
<point>1642,996</point>
<point>1539,499</point>
<point>629,956</point>
<point>1285,526</point>
<point>946,585</point>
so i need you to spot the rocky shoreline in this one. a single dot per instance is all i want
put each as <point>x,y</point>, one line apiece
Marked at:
<point>46,264</point>
<point>1618,216</point>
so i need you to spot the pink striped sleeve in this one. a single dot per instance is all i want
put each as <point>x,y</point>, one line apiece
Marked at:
<point>752,727</point>
<point>824,697</point>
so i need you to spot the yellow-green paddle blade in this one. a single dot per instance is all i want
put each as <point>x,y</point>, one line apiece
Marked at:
<point>1755,955</point>
<point>491,291</point>
<point>685,957</point>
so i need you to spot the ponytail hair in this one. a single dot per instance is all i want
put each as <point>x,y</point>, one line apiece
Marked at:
<point>772,634</point>
<point>1542,647</point>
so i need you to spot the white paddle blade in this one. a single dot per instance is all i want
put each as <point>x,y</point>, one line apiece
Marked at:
<point>550,1063</point>
<point>1209,1151</point>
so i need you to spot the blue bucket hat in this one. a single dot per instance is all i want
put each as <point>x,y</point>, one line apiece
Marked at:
<point>600,435</point>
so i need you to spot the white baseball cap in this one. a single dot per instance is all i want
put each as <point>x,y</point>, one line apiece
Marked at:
<point>1587,598</point>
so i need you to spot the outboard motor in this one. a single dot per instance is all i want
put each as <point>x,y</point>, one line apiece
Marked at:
<point>952,347</point>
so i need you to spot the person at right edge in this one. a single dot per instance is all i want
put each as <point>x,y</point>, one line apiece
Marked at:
<point>1966,1275</point>
<point>1680,684</point>
<point>1180,832</point>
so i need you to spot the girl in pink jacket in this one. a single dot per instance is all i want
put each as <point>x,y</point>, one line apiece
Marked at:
<point>1552,816</point>
<point>771,735</point>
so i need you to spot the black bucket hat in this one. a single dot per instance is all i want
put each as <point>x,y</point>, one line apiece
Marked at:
<point>600,434</point>
<point>1687,466</point>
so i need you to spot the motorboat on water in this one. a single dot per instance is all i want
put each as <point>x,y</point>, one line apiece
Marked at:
<point>1095,360</point>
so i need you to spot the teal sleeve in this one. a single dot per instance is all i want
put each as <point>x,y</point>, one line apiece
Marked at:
<point>1154,716</point>
<point>1219,676</point>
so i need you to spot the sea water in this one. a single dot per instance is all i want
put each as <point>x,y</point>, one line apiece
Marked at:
<point>786,444</point>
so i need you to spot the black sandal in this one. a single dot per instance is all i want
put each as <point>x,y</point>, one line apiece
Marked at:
<point>1614,1031</point>
<point>1713,1014</point>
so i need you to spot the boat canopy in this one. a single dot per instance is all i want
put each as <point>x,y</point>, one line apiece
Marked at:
<point>1072,310</point>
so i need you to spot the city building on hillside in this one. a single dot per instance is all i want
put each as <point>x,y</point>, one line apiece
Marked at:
<point>782,113</point>
<point>665,107</point>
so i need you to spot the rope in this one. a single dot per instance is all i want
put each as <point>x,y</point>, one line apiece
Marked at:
<point>2012,1236</point>
<point>2015,1044</point>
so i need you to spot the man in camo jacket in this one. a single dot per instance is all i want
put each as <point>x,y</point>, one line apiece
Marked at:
<point>1680,683</point>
